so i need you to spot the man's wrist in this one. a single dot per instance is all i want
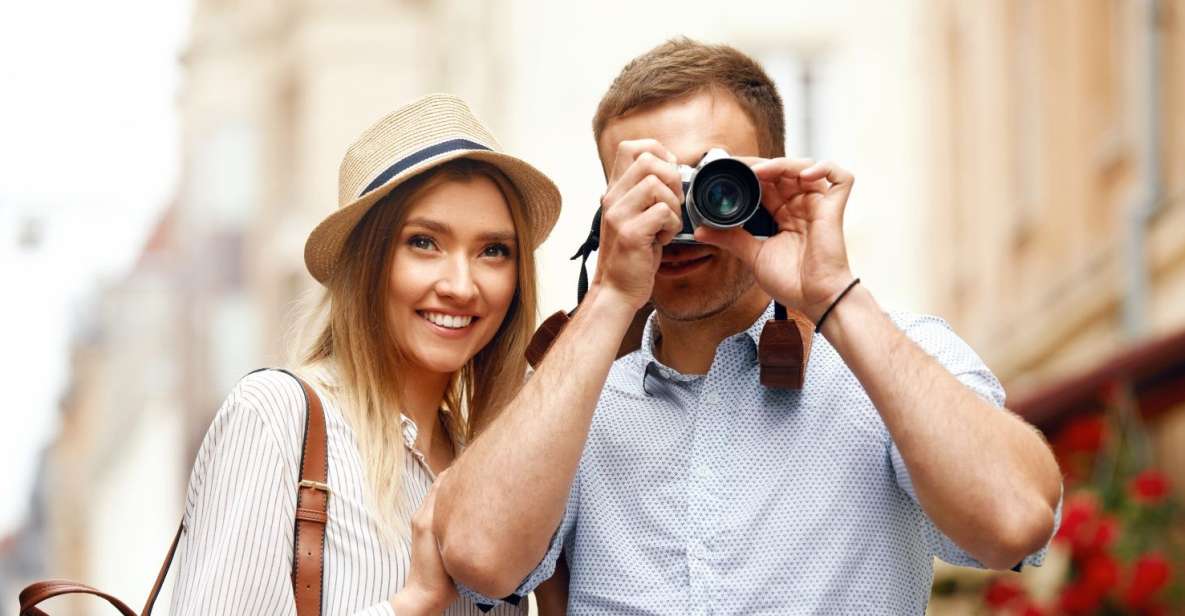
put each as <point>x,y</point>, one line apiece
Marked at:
<point>835,300</point>
<point>815,311</point>
<point>850,315</point>
<point>607,305</point>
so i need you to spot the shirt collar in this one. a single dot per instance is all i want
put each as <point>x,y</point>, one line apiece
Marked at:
<point>651,366</point>
<point>410,431</point>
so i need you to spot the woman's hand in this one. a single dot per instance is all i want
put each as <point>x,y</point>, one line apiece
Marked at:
<point>429,589</point>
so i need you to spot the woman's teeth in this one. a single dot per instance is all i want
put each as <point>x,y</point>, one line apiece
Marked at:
<point>447,320</point>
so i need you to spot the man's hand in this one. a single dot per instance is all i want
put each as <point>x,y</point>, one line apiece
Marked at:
<point>429,589</point>
<point>805,265</point>
<point>640,213</point>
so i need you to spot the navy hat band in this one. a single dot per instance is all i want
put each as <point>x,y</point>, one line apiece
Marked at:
<point>420,156</point>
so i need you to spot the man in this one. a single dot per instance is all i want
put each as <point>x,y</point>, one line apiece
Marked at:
<point>672,481</point>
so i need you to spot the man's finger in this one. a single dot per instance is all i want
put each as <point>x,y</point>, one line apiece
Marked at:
<point>629,151</point>
<point>656,222</point>
<point>647,163</point>
<point>775,168</point>
<point>840,179</point>
<point>646,193</point>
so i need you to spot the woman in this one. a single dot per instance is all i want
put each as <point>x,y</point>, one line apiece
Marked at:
<point>428,305</point>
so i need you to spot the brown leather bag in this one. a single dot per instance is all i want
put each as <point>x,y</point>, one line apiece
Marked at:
<point>308,559</point>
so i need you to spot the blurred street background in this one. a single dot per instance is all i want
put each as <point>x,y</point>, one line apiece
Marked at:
<point>1020,172</point>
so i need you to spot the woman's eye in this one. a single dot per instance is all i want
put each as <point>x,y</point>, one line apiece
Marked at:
<point>422,242</point>
<point>497,250</point>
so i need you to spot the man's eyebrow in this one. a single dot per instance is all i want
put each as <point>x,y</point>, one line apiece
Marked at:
<point>446,229</point>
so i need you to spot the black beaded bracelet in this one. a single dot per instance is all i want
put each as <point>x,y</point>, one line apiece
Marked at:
<point>819,325</point>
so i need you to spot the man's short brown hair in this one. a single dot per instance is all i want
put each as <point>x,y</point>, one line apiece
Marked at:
<point>681,67</point>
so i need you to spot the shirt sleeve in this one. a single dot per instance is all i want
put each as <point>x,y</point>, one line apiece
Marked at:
<point>937,338</point>
<point>235,555</point>
<point>546,567</point>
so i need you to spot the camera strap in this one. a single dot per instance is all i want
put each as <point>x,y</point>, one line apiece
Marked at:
<point>591,243</point>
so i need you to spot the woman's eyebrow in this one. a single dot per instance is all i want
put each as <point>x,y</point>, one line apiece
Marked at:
<point>431,225</point>
<point>506,237</point>
<point>446,229</point>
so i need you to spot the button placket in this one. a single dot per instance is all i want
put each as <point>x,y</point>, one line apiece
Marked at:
<point>705,507</point>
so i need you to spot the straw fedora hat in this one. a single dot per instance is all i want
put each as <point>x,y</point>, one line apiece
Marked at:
<point>414,138</point>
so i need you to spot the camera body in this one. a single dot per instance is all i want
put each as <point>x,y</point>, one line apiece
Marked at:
<point>722,192</point>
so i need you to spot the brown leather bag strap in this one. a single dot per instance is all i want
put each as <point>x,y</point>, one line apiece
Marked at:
<point>164,570</point>
<point>312,514</point>
<point>34,594</point>
<point>312,508</point>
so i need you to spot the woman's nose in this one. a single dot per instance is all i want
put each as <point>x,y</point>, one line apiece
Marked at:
<point>456,281</point>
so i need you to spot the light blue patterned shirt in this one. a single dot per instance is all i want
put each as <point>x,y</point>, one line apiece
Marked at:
<point>712,494</point>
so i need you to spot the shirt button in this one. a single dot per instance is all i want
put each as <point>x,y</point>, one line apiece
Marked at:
<point>712,397</point>
<point>703,472</point>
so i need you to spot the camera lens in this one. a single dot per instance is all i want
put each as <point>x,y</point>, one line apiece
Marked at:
<point>724,193</point>
<point>722,198</point>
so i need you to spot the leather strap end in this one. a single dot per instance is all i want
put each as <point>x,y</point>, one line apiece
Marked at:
<point>775,377</point>
<point>312,515</point>
<point>782,352</point>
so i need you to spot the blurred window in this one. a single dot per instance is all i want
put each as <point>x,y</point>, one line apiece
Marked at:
<point>225,175</point>
<point>803,80</point>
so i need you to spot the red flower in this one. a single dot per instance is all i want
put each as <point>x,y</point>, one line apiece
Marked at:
<point>1085,434</point>
<point>1079,598</point>
<point>1104,533</point>
<point>1079,512</point>
<point>1000,592</point>
<point>1028,608</point>
<point>1150,487</point>
<point>1101,573</point>
<point>1088,531</point>
<point>1150,574</point>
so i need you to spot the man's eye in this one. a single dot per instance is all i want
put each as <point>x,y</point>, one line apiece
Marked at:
<point>422,242</point>
<point>497,250</point>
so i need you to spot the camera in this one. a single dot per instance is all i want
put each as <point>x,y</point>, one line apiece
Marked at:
<point>722,192</point>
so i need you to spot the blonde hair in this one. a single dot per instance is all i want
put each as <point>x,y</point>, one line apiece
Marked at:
<point>348,345</point>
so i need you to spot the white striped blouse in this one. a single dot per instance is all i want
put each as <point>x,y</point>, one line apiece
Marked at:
<point>235,556</point>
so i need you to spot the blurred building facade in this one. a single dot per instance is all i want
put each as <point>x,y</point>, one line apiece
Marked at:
<point>109,489</point>
<point>1000,149</point>
<point>1059,228</point>
<point>1061,221</point>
